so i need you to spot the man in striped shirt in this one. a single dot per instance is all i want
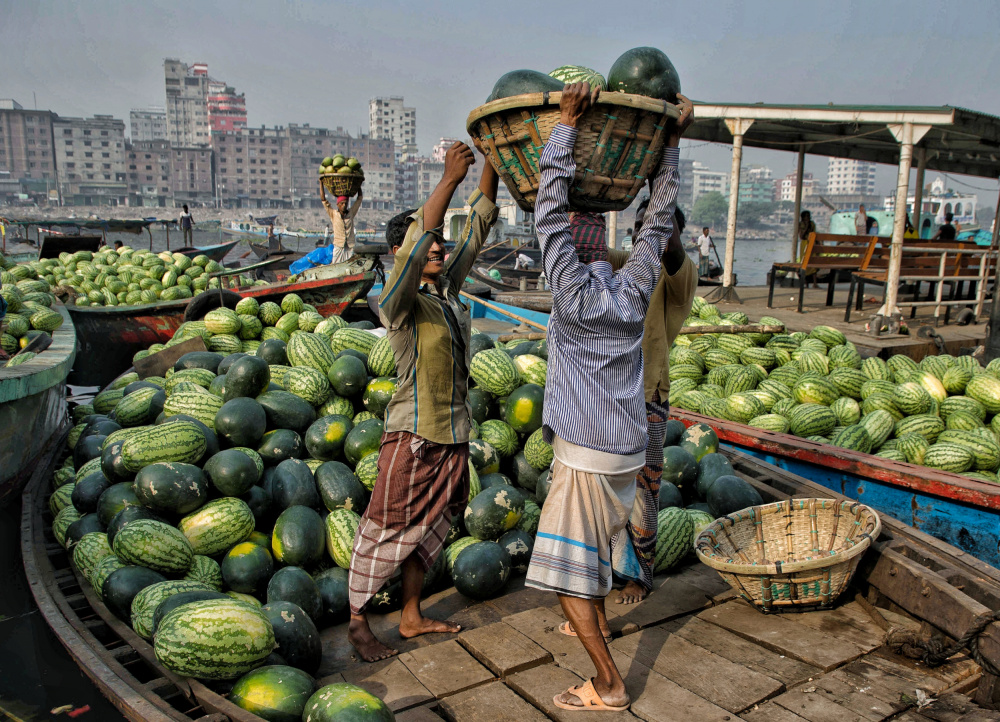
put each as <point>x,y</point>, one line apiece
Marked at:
<point>595,417</point>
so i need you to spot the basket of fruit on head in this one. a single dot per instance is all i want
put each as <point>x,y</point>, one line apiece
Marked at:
<point>341,176</point>
<point>619,138</point>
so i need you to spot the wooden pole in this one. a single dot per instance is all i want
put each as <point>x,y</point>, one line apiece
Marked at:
<point>504,311</point>
<point>993,340</point>
<point>738,127</point>
<point>799,167</point>
<point>918,192</point>
<point>907,134</point>
<point>684,331</point>
<point>613,229</point>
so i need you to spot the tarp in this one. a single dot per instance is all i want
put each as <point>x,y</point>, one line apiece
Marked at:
<point>111,225</point>
<point>322,256</point>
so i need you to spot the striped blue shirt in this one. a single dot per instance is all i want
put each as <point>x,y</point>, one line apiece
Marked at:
<point>595,330</point>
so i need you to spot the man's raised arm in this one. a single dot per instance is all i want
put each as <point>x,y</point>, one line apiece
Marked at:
<point>482,216</point>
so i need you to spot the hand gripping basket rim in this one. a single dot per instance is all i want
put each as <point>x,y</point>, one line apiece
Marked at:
<point>622,153</point>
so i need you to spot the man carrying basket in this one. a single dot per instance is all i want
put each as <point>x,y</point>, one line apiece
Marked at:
<point>342,219</point>
<point>423,464</point>
<point>596,418</point>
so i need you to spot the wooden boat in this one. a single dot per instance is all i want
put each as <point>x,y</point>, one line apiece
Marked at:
<point>690,645</point>
<point>110,336</point>
<point>33,408</point>
<point>961,511</point>
<point>214,253</point>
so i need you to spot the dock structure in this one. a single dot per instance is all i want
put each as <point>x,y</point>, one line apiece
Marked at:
<point>944,138</point>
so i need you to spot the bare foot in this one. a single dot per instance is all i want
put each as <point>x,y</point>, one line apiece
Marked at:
<point>611,697</point>
<point>424,625</point>
<point>359,634</point>
<point>632,593</point>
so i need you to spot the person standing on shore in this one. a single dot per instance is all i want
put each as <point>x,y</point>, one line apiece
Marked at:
<point>596,420</point>
<point>423,463</point>
<point>186,222</point>
<point>704,248</point>
<point>861,221</point>
<point>342,219</point>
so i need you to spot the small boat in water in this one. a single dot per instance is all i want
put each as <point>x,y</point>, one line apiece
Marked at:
<point>110,336</point>
<point>214,253</point>
<point>33,408</point>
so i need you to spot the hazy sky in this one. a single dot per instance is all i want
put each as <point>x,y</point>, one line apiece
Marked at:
<point>320,62</point>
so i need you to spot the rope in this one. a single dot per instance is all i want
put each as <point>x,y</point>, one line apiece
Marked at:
<point>934,653</point>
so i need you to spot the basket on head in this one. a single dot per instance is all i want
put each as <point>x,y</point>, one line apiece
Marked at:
<point>792,553</point>
<point>619,141</point>
<point>342,184</point>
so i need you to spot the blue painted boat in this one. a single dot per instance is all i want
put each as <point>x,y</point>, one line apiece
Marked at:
<point>961,511</point>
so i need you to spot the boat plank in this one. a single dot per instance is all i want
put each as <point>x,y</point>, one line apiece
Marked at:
<point>771,712</point>
<point>783,635</point>
<point>710,676</point>
<point>503,650</point>
<point>815,706</point>
<point>848,622</point>
<point>785,669</point>
<point>541,684</point>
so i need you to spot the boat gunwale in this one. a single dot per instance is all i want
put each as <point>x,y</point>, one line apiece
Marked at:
<point>48,368</point>
<point>933,482</point>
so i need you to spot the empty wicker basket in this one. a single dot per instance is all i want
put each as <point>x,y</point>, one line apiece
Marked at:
<point>342,184</point>
<point>619,141</point>
<point>797,552</point>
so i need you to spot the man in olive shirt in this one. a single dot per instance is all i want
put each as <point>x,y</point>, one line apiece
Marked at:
<point>423,469</point>
<point>633,548</point>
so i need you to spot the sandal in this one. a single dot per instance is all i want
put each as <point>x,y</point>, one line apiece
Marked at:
<point>567,629</point>
<point>592,701</point>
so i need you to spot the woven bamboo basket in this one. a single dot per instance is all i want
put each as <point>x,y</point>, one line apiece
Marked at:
<point>342,184</point>
<point>618,143</point>
<point>792,553</point>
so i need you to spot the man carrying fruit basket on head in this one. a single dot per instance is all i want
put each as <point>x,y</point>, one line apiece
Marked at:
<point>342,219</point>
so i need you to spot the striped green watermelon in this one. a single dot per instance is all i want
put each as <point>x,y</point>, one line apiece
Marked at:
<point>155,545</point>
<point>962,421</point>
<point>222,321</point>
<point>205,570</point>
<point>341,528</point>
<point>214,639</point>
<point>537,451</point>
<point>913,447</point>
<point>102,570</point>
<point>355,338</point>
<point>381,360</point>
<point>312,350</point>
<point>880,425</point>
<point>911,398</point>
<point>530,517</point>
<point>580,74</point>
<point>924,424</point>
<point>674,529</point>
<point>531,369</point>
<point>500,436</point>
<point>742,407</point>
<point>811,419</point>
<point>90,550</point>
<point>494,371</point>
<point>308,383</point>
<point>985,451</point>
<point>145,602</point>
<point>277,693</point>
<point>955,379</point>
<point>218,525</point>
<point>846,410</point>
<point>344,702</point>
<point>985,389</point>
<point>853,437</point>
<point>828,335</point>
<point>202,407</point>
<point>948,457</point>
<point>770,422</point>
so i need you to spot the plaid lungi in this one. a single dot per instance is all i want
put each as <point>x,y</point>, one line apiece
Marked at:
<point>634,547</point>
<point>589,236</point>
<point>420,487</point>
<point>582,512</point>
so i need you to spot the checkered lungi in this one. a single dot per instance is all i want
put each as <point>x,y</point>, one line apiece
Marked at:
<point>589,236</point>
<point>634,547</point>
<point>420,487</point>
<point>582,512</point>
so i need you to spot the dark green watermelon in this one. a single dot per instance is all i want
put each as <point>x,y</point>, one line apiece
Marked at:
<point>261,505</point>
<point>325,437</point>
<point>199,360</point>
<point>247,567</point>
<point>494,511</point>
<point>520,471</point>
<point>679,467</point>
<point>298,538</point>
<point>127,514</point>
<point>87,492</point>
<point>285,410</point>
<point>730,494</point>
<point>228,362</point>
<point>232,472</point>
<point>543,486</point>
<point>294,584</point>
<point>115,498</point>
<point>673,432</point>
<point>519,82</point>
<point>241,421</point>
<point>645,71</point>
<point>273,352</point>
<point>81,528</point>
<point>121,587</point>
<point>479,402</point>
<point>279,445</point>
<point>332,585</point>
<point>248,376</point>
<point>488,480</point>
<point>339,488</point>
<point>710,468</point>
<point>480,342</point>
<point>293,485</point>
<point>518,545</point>
<point>172,488</point>
<point>670,495</point>
<point>481,570</point>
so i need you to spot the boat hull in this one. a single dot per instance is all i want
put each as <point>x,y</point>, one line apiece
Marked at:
<point>110,337</point>
<point>960,511</point>
<point>214,253</point>
<point>33,409</point>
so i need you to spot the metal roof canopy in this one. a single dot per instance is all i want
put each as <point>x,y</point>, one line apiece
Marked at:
<point>957,140</point>
<point>946,138</point>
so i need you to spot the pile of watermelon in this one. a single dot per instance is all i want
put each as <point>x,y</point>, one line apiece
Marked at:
<point>698,486</point>
<point>943,412</point>
<point>639,71</point>
<point>29,309</point>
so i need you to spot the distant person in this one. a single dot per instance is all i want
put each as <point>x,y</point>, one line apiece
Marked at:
<point>186,222</point>
<point>861,221</point>
<point>627,241</point>
<point>524,261</point>
<point>946,232</point>
<point>871,226</point>
<point>342,218</point>
<point>704,247</point>
<point>807,226</point>
<point>273,242</point>
<point>908,230</point>
<point>118,245</point>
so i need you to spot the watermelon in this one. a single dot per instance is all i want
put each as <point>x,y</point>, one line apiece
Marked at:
<point>730,494</point>
<point>298,537</point>
<point>213,639</point>
<point>277,693</point>
<point>247,567</point>
<point>339,488</point>
<point>296,635</point>
<point>341,527</point>
<point>332,585</point>
<point>364,439</point>
<point>217,526</point>
<point>523,410</point>
<point>494,371</point>
<point>206,571</point>
<point>493,512</point>
<point>146,601</point>
<point>699,440</point>
<point>367,472</point>
<point>484,457</point>
<point>232,472</point>
<point>344,702</point>
<point>645,71</point>
<point>500,436</point>
<point>580,74</point>
<point>180,441</point>
<point>348,376</point>
<point>520,82</point>
<point>674,529</point>
<point>90,550</point>
<point>378,393</point>
<point>481,570</point>
<point>122,585</point>
<point>154,545</point>
<point>532,369</point>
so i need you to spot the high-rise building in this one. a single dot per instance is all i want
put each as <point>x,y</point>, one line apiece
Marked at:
<point>685,188</point>
<point>27,149</point>
<point>227,110</point>
<point>442,146</point>
<point>191,176</point>
<point>389,119</point>
<point>846,176</point>
<point>148,172</point>
<point>148,124</point>
<point>91,159</point>
<point>786,187</point>
<point>187,103</point>
<point>232,179</point>
<point>706,180</point>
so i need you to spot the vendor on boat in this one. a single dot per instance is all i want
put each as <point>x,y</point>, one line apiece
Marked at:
<point>523,261</point>
<point>186,222</point>
<point>342,218</point>
<point>946,232</point>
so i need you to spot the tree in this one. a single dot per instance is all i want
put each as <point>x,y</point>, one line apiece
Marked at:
<point>710,209</point>
<point>753,213</point>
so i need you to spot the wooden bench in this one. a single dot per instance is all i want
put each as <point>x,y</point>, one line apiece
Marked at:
<point>826,251</point>
<point>937,263</point>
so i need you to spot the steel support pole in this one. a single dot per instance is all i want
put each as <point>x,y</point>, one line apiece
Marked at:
<point>799,167</point>
<point>918,193</point>
<point>993,340</point>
